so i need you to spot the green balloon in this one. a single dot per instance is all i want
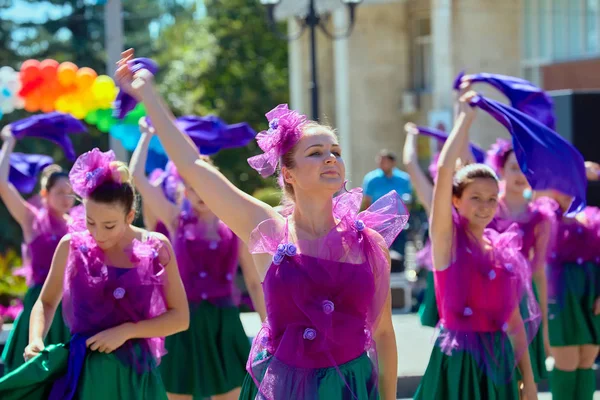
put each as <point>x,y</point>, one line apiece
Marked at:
<point>104,125</point>
<point>92,117</point>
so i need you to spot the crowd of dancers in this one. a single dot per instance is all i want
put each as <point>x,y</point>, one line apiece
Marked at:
<point>118,312</point>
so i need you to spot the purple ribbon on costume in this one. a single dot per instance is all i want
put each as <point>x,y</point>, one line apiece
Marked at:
<point>24,170</point>
<point>477,151</point>
<point>124,102</point>
<point>211,134</point>
<point>64,388</point>
<point>547,160</point>
<point>54,126</point>
<point>523,95</point>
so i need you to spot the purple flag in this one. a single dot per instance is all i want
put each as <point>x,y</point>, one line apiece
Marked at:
<point>124,102</point>
<point>547,160</point>
<point>54,126</point>
<point>523,95</point>
<point>477,151</point>
<point>25,168</point>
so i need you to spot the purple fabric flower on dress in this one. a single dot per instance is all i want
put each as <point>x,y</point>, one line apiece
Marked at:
<point>291,250</point>
<point>309,334</point>
<point>492,275</point>
<point>278,258</point>
<point>496,154</point>
<point>119,293</point>
<point>283,133</point>
<point>467,312</point>
<point>328,307</point>
<point>91,170</point>
<point>360,225</point>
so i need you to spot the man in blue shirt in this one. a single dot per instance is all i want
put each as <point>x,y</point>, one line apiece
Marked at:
<point>381,181</point>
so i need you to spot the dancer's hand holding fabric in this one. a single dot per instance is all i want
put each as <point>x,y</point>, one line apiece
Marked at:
<point>111,339</point>
<point>33,349</point>
<point>592,171</point>
<point>132,83</point>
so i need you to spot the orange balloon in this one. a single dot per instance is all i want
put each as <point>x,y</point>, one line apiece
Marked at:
<point>66,73</point>
<point>32,104</point>
<point>48,69</point>
<point>30,70</point>
<point>85,77</point>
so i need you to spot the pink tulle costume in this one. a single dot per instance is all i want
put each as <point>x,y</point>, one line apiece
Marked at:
<point>98,296</point>
<point>323,297</point>
<point>478,294</point>
<point>576,242</point>
<point>539,218</point>
<point>207,266</point>
<point>37,254</point>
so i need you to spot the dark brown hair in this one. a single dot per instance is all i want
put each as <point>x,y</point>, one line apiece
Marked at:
<point>111,192</point>
<point>287,160</point>
<point>505,156</point>
<point>51,175</point>
<point>467,174</point>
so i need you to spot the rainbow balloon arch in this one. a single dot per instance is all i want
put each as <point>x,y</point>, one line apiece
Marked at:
<point>48,86</point>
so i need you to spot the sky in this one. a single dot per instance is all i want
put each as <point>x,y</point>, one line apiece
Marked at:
<point>38,13</point>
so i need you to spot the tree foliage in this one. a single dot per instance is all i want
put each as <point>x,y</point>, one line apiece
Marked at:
<point>229,64</point>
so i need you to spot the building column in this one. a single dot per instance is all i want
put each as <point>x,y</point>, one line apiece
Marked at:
<point>295,68</point>
<point>342,89</point>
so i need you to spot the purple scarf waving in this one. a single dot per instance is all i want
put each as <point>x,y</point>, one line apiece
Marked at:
<point>523,95</point>
<point>547,160</point>
<point>124,102</point>
<point>477,151</point>
<point>54,126</point>
<point>25,168</point>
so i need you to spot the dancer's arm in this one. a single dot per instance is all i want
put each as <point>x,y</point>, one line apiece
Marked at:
<point>387,349</point>
<point>175,319</point>
<point>15,203</point>
<point>238,210</point>
<point>420,182</point>
<point>441,231</point>
<point>518,337</point>
<point>252,281</point>
<point>538,264</point>
<point>44,308</point>
<point>153,196</point>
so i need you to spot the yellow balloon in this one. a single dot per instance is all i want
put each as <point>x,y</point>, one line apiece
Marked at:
<point>78,111</point>
<point>103,89</point>
<point>62,104</point>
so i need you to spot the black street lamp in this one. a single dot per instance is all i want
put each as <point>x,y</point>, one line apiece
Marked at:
<point>312,20</point>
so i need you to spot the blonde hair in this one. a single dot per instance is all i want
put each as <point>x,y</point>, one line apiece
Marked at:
<point>122,171</point>
<point>50,175</point>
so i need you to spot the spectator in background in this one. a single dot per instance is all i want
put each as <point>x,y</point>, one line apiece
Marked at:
<point>381,181</point>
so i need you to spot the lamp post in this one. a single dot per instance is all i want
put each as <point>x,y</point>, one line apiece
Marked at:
<point>312,20</point>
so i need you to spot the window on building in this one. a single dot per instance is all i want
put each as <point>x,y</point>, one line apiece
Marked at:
<point>422,60</point>
<point>558,30</point>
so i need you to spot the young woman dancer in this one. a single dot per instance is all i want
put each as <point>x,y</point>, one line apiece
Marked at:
<point>325,269</point>
<point>121,294</point>
<point>480,278</point>
<point>207,360</point>
<point>42,228</point>
<point>536,220</point>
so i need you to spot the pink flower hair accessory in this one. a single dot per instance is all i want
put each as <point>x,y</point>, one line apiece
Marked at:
<point>496,155</point>
<point>283,133</point>
<point>91,170</point>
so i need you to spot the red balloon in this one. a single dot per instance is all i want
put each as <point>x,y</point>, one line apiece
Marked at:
<point>48,69</point>
<point>30,70</point>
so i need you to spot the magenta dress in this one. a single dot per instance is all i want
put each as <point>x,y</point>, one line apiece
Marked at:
<point>536,222</point>
<point>97,297</point>
<point>37,258</point>
<point>323,300</point>
<point>210,357</point>
<point>574,280</point>
<point>478,298</point>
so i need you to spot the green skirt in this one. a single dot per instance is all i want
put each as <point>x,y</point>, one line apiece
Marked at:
<point>428,312</point>
<point>358,382</point>
<point>210,357</point>
<point>537,353</point>
<point>459,377</point>
<point>571,319</point>
<point>103,377</point>
<point>18,339</point>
